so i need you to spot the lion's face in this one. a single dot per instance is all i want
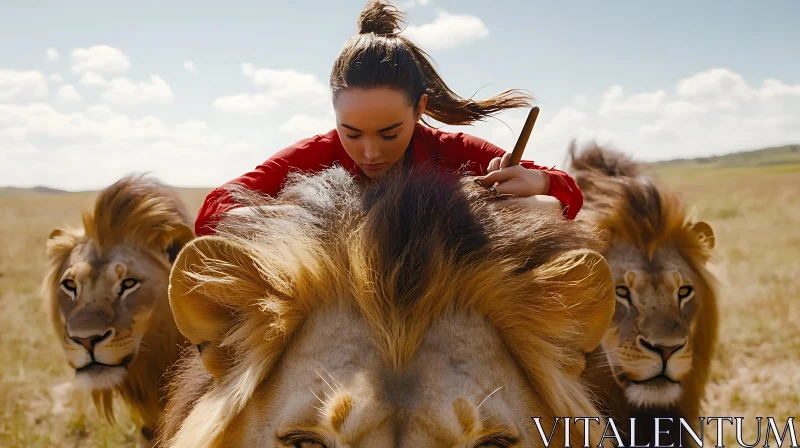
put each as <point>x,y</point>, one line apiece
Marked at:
<point>347,374</point>
<point>648,342</point>
<point>105,304</point>
<point>332,388</point>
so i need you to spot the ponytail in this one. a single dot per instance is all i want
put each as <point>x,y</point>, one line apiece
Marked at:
<point>379,57</point>
<point>446,106</point>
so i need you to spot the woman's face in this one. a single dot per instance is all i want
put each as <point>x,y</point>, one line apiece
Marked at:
<point>375,126</point>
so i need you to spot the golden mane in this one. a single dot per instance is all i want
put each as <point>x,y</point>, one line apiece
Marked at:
<point>625,205</point>
<point>144,213</point>
<point>403,251</point>
<point>135,210</point>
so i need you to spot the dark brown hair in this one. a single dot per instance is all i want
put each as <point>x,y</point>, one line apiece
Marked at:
<point>379,57</point>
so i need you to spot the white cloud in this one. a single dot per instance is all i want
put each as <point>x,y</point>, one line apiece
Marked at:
<point>713,83</point>
<point>190,67</point>
<point>92,79</point>
<point>99,58</point>
<point>245,104</point>
<point>100,112</point>
<point>285,83</point>
<point>16,134</point>
<point>580,101</point>
<point>712,112</point>
<point>408,4</point>
<point>56,78</point>
<point>52,54</point>
<point>15,84</point>
<point>305,125</point>
<point>125,91</point>
<point>99,144</point>
<point>68,93</point>
<point>278,85</point>
<point>447,31</point>
<point>94,148</point>
<point>121,90</point>
<point>614,93</point>
<point>615,102</point>
<point>773,88</point>
<point>681,108</point>
<point>241,147</point>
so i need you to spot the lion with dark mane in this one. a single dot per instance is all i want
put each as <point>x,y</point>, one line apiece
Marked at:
<point>414,311</point>
<point>655,358</point>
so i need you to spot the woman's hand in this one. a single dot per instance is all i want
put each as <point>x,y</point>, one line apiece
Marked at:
<point>515,180</point>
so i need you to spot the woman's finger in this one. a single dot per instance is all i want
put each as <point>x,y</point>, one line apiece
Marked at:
<point>504,161</point>
<point>494,165</point>
<point>513,186</point>
<point>501,175</point>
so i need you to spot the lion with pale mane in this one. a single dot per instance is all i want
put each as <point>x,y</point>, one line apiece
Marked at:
<point>107,292</point>
<point>414,311</point>
<point>655,358</point>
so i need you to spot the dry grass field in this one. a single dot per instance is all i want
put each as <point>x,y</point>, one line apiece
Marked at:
<point>754,208</point>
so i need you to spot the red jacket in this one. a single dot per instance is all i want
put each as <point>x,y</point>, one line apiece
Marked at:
<point>454,151</point>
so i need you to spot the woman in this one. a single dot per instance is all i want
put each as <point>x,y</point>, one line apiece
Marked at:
<point>382,84</point>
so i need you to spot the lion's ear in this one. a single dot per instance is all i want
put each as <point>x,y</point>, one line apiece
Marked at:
<point>706,234</point>
<point>60,243</point>
<point>171,239</point>
<point>582,282</point>
<point>212,283</point>
<point>178,238</point>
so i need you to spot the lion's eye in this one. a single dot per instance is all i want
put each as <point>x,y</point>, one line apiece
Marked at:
<point>623,292</point>
<point>684,292</point>
<point>302,439</point>
<point>129,283</point>
<point>308,444</point>
<point>496,441</point>
<point>69,285</point>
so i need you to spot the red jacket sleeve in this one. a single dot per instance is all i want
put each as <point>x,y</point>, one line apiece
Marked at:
<point>475,154</point>
<point>308,155</point>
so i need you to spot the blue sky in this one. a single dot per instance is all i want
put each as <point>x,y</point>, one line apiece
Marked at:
<point>657,80</point>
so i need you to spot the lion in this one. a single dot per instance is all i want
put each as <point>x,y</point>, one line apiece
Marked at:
<point>413,311</point>
<point>654,359</point>
<point>107,293</point>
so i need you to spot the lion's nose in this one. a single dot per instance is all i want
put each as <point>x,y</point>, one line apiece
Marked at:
<point>667,351</point>
<point>664,350</point>
<point>90,341</point>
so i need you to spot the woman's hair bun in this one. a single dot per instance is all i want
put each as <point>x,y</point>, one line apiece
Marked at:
<point>380,17</point>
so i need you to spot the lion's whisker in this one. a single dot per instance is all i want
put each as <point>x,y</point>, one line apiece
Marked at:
<point>327,383</point>
<point>315,395</point>
<point>487,397</point>
<point>338,385</point>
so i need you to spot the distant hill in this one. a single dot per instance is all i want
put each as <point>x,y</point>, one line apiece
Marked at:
<point>779,155</point>
<point>8,191</point>
<point>772,161</point>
